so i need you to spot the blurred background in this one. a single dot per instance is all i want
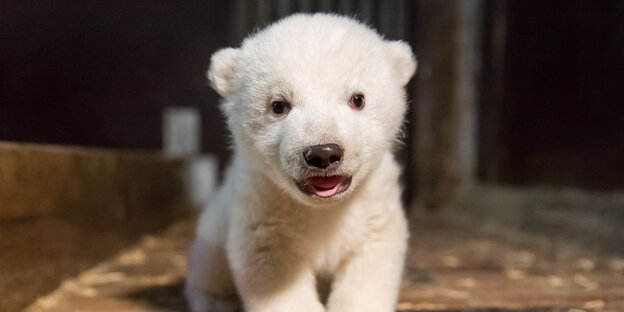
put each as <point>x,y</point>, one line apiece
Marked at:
<point>516,111</point>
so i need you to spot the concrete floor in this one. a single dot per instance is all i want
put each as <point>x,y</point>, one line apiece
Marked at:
<point>451,267</point>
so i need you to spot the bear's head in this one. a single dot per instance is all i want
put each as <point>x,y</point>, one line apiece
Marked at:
<point>314,101</point>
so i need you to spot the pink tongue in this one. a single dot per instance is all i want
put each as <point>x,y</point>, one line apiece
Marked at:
<point>325,186</point>
<point>325,182</point>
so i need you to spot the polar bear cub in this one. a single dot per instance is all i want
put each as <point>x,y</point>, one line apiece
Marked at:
<point>315,104</point>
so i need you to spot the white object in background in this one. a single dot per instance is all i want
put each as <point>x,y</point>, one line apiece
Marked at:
<point>182,138</point>
<point>181,131</point>
<point>202,179</point>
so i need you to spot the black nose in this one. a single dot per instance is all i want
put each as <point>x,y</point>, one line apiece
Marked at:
<point>321,156</point>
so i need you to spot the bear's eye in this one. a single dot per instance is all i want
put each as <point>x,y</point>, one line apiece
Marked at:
<point>357,102</point>
<point>280,108</point>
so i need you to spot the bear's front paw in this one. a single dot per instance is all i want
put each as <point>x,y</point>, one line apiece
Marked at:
<point>199,301</point>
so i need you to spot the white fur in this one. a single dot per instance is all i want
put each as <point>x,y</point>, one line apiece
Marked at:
<point>262,240</point>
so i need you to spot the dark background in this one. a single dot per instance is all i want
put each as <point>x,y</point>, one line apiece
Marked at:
<point>563,102</point>
<point>101,74</point>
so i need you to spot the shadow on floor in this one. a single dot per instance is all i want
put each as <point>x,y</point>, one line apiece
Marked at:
<point>168,297</point>
<point>171,298</point>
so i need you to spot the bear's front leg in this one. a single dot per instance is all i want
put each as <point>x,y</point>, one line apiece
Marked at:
<point>209,285</point>
<point>270,275</point>
<point>370,280</point>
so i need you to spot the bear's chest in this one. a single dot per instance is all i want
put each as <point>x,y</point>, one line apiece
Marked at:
<point>338,243</point>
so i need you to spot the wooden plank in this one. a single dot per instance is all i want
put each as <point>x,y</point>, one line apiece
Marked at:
<point>63,209</point>
<point>99,185</point>
<point>491,154</point>
<point>392,16</point>
<point>448,51</point>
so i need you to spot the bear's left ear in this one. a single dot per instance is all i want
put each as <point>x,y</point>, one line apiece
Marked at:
<point>403,60</point>
<point>223,64</point>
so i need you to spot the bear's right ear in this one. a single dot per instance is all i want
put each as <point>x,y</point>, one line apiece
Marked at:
<point>223,64</point>
<point>403,60</point>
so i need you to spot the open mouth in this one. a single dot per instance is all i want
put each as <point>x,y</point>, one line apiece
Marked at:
<point>325,186</point>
